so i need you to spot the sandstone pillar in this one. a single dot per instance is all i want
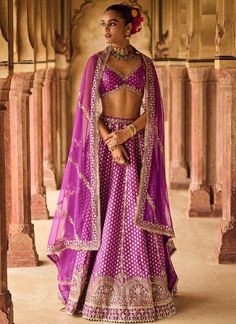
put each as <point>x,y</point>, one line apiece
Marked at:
<point>65,116</point>
<point>4,100</point>
<point>57,129</point>
<point>199,193</point>
<point>54,127</point>
<point>6,307</point>
<point>38,193</point>
<point>178,168</point>
<point>48,163</point>
<point>226,249</point>
<point>218,182</point>
<point>21,251</point>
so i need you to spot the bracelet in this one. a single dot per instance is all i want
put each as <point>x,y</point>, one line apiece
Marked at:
<point>132,129</point>
<point>111,148</point>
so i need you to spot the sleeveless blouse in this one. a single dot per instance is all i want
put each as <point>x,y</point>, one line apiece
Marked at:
<point>112,80</point>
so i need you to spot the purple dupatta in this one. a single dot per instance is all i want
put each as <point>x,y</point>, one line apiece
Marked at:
<point>77,222</point>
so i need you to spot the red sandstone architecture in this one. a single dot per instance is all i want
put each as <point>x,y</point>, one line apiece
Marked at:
<point>43,51</point>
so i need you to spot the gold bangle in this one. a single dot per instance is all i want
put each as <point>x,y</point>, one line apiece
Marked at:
<point>132,129</point>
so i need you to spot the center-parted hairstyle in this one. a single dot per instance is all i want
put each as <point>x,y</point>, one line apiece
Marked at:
<point>130,14</point>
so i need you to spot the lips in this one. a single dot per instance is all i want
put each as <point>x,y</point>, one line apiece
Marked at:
<point>107,35</point>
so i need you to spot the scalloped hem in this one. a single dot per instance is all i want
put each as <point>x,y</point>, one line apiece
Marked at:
<point>141,316</point>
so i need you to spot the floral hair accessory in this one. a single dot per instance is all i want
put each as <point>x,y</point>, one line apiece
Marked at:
<point>134,12</point>
<point>137,19</point>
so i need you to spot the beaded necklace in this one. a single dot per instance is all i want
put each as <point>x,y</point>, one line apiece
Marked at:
<point>124,54</point>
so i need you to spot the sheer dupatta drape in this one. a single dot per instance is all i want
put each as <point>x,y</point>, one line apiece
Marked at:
<point>76,223</point>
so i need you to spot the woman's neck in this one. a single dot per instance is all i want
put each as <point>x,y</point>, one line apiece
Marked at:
<point>122,45</point>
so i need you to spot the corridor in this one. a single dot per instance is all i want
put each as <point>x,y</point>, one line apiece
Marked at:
<point>206,289</point>
<point>44,49</point>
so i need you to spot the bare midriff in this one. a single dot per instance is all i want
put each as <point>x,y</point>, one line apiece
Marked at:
<point>122,103</point>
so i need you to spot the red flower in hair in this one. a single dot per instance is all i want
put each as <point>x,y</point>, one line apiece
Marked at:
<point>137,18</point>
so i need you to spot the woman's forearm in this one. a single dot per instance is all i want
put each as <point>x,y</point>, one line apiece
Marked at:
<point>140,122</point>
<point>103,130</point>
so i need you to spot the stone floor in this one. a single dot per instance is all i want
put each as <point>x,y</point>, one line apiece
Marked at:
<point>206,290</point>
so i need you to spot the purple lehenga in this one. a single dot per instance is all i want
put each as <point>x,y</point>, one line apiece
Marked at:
<point>111,237</point>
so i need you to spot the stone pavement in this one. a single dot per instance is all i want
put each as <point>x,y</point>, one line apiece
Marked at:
<point>206,290</point>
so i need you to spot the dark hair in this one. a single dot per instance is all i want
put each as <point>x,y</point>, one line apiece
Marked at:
<point>123,10</point>
<point>129,14</point>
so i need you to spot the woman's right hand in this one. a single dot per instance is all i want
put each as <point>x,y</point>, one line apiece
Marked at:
<point>120,153</point>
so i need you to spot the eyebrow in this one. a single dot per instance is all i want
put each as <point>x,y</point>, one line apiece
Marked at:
<point>111,20</point>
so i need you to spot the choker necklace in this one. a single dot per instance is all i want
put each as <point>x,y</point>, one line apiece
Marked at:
<point>122,53</point>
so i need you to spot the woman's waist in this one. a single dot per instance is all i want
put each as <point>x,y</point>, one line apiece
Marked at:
<point>116,119</point>
<point>129,109</point>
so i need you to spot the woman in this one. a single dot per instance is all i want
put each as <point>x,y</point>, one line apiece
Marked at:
<point>111,237</point>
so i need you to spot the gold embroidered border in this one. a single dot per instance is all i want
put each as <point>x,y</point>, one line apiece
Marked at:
<point>124,77</point>
<point>80,174</point>
<point>151,202</point>
<point>73,245</point>
<point>114,120</point>
<point>129,293</point>
<point>149,138</point>
<point>123,222</point>
<point>131,88</point>
<point>85,111</point>
<point>76,289</point>
<point>158,140</point>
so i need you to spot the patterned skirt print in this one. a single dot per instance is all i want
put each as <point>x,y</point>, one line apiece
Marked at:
<point>131,277</point>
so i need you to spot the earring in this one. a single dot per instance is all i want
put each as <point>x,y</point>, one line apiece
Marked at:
<point>127,33</point>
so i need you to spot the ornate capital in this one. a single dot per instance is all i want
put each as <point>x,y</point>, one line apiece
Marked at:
<point>199,74</point>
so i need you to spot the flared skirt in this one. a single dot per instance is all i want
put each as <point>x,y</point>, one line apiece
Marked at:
<point>131,277</point>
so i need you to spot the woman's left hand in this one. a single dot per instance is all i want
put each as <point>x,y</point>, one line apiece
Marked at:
<point>121,135</point>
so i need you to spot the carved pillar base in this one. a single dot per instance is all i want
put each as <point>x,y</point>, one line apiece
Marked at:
<point>179,176</point>
<point>226,248</point>
<point>199,203</point>
<point>49,176</point>
<point>6,308</point>
<point>39,207</point>
<point>21,250</point>
<point>217,207</point>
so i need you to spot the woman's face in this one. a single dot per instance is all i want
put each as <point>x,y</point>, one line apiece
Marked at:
<point>113,27</point>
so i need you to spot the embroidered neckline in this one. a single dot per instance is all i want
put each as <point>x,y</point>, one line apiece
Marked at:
<point>127,75</point>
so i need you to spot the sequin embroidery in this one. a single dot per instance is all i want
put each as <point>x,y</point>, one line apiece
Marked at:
<point>112,80</point>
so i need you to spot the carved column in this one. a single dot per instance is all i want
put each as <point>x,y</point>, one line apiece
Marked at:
<point>65,115</point>
<point>218,181</point>
<point>178,168</point>
<point>48,163</point>
<point>38,193</point>
<point>6,306</point>
<point>5,89</point>
<point>21,251</point>
<point>54,129</point>
<point>57,130</point>
<point>199,193</point>
<point>226,249</point>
